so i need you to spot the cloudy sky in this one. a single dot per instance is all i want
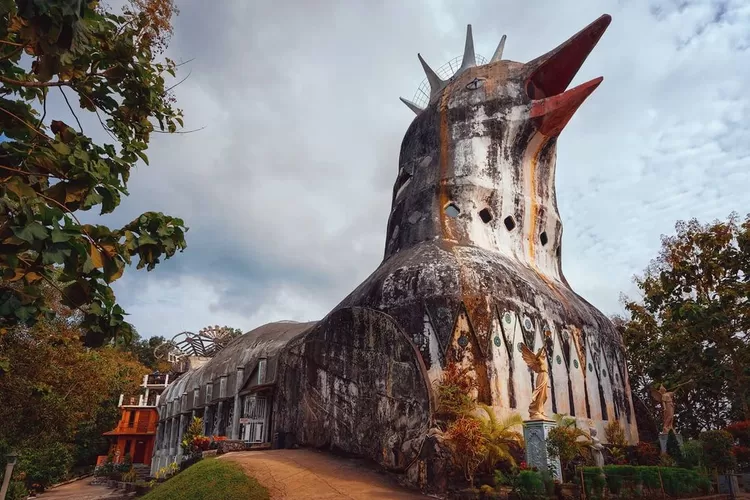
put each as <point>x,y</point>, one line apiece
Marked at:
<point>287,188</point>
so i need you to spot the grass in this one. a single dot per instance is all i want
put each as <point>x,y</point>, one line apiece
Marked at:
<point>210,479</point>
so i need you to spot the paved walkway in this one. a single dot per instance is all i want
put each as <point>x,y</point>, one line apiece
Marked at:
<point>81,490</point>
<point>305,474</point>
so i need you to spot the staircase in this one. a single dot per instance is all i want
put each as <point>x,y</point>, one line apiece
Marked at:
<point>143,471</point>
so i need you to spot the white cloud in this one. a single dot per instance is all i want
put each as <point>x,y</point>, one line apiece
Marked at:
<point>287,189</point>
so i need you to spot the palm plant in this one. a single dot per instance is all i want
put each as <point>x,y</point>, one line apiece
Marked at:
<point>567,441</point>
<point>499,436</point>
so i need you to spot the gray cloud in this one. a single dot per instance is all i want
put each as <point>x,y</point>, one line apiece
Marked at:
<point>287,189</point>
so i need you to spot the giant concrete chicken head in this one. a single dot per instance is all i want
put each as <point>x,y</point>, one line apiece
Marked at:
<point>477,164</point>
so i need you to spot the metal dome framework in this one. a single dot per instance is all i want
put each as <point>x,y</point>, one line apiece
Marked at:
<point>445,72</point>
<point>206,343</point>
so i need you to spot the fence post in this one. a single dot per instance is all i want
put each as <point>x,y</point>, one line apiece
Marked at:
<point>583,485</point>
<point>661,483</point>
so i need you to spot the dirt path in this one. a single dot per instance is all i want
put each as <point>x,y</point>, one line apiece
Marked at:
<point>81,490</point>
<point>306,474</point>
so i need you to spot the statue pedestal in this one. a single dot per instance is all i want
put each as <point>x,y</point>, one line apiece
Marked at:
<point>663,440</point>
<point>535,434</point>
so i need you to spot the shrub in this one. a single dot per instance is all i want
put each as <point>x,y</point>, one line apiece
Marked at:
<point>741,455</point>
<point>16,491</point>
<point>628,481</point>
<point>567,442</point>
<point>191,460</point>
<point>673,447</point>
<point>499,438</point>
<point>717,450</point>
<point>741,432</point>
<point>692,454</point>
<point>617,443</point>
<point>454,393</point>
<point>646,454</point>
<point>46,465</point>
<point>530,485</point>
<point>615,434</point>
<point>195,429</point>
<point>486,489</point>
<point>467,445</point>
<point>130,476</point>
<point>666,461</point>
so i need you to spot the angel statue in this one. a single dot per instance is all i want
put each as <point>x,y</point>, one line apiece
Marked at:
<point>538,364</point>
<point>666,398</point>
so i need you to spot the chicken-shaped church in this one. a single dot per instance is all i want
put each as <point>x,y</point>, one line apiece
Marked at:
<point>471,274</point>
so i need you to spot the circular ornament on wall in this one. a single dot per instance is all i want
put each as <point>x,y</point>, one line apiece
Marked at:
<point>527,323</point>
<point>463,340</point>
<point>496,340</point>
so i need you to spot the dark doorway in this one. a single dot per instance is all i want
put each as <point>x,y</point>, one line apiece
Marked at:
<point>140,452</point>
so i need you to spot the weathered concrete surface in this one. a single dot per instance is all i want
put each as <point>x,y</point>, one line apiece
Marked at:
<point>473,258</point>
<point>355,383</point>
<point>306,474</point>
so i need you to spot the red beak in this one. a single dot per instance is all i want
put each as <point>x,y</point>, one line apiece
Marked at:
<point>550,75</point>
<point>555,112</point>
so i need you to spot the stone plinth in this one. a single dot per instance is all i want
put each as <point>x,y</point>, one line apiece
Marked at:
<point>535,434</point>
<point>663,441</point>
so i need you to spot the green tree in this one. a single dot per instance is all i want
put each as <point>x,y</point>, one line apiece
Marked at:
<point>57,394</point>
<point>143,350</point>
<point>98,62</point>
<point>693,322</point>
<point>673,447</point>
<point>717,451</point>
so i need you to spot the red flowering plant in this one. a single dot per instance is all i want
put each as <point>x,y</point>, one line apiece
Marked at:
<point>740,431</point>
<point>201,443</point>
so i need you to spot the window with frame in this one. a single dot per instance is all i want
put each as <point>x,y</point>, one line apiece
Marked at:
<point>196,396</point>
<point>209,390</point>
<point>262,371</point>
<point>223,387</point>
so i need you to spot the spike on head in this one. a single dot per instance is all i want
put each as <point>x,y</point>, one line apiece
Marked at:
<point>411,106</point>
<point>469,60</point>
<point>498,55</point>
<point>436,83</point>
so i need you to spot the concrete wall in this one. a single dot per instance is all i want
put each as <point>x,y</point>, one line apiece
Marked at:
<point>355,383</point>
